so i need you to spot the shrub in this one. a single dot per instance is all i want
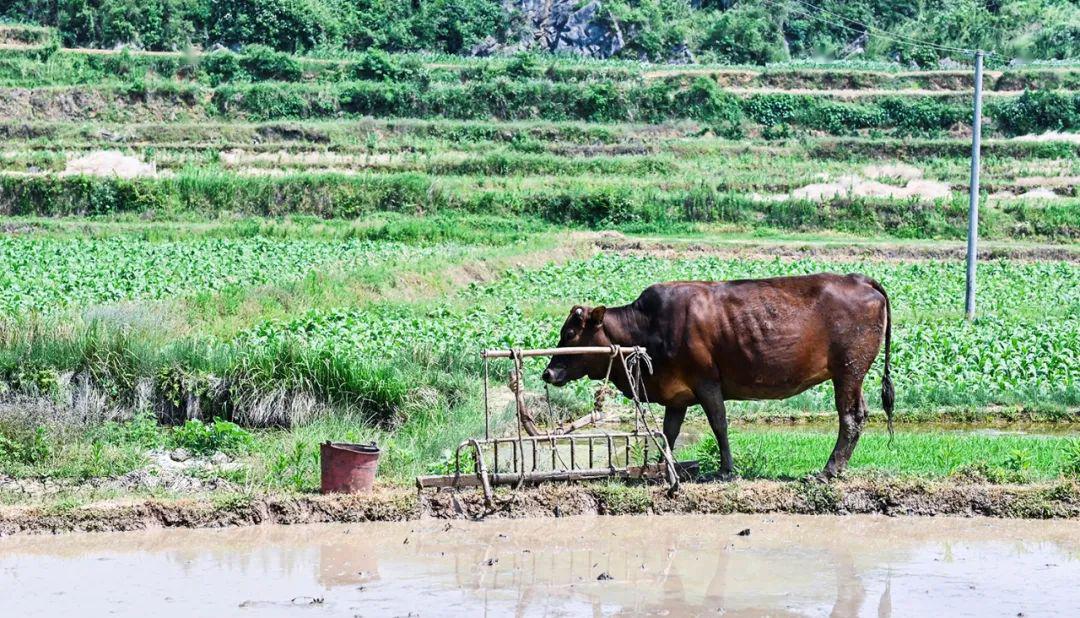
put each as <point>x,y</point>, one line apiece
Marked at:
<point>840,118</point>
<point>288,25</point>
<point>915,55</point>
<point>919,116</point>
<point>455,26</point>
<point>263,63</point>
<point>1037,111</point>
<point>150,24</point>
<point>746,34</point>
<point>268,102</point>
<point>222,66</point>
<point>602,102</point>
<point>705,101</point>
<point>773,109</point>
<point>378,65</point>
<point>524,65</point>
<point>1059,41</point>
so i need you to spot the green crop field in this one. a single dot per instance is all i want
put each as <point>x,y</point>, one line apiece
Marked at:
<point>1024,349</point>
<point>48,275</point>
<point>312,239</point>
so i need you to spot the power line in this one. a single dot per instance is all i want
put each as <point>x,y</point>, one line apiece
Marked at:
<point>817,13</point>
<point>885,33</point>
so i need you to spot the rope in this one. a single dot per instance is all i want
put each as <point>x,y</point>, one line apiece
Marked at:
<point>515,353</point>
<point>632,365</point>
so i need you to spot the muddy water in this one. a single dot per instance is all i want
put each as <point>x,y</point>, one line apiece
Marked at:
<point>787,565</point>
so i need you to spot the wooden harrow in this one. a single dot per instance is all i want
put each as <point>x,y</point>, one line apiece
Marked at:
<point>563,453</point>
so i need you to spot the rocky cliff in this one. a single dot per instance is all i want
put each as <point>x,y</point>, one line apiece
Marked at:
<point>561,26</point>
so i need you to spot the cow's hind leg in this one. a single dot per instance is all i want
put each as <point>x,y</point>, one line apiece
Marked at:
<point>712,401</point>
<point>853,412</point>
<point>673,420</point>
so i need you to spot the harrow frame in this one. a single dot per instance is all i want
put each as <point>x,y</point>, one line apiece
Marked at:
<point>526,454</point>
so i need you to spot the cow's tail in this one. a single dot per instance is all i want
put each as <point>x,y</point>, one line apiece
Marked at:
<point>888,395</point>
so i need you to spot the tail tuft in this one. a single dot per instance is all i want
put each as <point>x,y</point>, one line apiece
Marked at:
<point>888,395</point>
<point>888,399</point>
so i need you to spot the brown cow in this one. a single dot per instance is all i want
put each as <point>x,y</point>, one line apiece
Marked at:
<point>738,340</point>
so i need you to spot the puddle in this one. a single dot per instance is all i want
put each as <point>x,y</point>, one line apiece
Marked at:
<point>670,565</point>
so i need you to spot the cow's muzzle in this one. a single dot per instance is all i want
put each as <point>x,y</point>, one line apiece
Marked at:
<point>554,377</point>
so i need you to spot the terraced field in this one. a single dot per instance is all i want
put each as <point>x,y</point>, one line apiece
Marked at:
<point>321,253</point>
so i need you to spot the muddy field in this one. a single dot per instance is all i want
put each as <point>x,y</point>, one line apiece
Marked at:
<point>743,565</point>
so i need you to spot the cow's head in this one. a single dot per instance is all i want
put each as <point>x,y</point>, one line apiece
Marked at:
<point>584,327</point>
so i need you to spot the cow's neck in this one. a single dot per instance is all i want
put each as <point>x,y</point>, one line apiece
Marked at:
<point>624,326</point>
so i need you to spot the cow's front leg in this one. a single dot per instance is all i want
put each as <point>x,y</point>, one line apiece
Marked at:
<point>712,401</point>
<point>673,420</point>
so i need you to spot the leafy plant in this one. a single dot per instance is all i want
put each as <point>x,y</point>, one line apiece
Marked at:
<point>207,438</point>
<point>293,468</point>
<point>446,463</point>
<point>1071,460</point>
<point>1018,461</point>
<point>142,431</point>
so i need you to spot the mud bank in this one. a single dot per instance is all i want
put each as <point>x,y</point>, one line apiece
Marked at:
<point>837,250</point>
<point>862,496</point>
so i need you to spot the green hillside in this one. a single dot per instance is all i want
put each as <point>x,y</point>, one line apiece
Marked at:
<point>728,31</point>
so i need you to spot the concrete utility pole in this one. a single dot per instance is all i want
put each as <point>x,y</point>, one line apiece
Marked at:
<point>973,201</point>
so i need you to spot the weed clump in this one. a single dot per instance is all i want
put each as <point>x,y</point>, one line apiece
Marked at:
<point>27,447</point>
<point>622,499</point>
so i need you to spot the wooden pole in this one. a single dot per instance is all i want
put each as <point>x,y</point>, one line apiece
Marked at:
<point>568,351</point>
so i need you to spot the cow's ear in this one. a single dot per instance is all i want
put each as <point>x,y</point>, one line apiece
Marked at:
<point>577,315</point>
<point>596,318</point>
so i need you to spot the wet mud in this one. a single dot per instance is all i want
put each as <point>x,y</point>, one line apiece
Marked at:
<point>887,496</point>
<point>741,565</point>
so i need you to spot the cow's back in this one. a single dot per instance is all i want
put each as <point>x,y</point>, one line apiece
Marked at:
<point>762,338</point>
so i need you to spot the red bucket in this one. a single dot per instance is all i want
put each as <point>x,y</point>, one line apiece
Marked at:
<point>348,468</point>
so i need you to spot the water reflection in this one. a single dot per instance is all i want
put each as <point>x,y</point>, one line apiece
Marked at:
<point>786,566</point>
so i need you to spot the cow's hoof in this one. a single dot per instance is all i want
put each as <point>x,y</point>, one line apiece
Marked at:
<point>821,477</point>
<point>725,477</point>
